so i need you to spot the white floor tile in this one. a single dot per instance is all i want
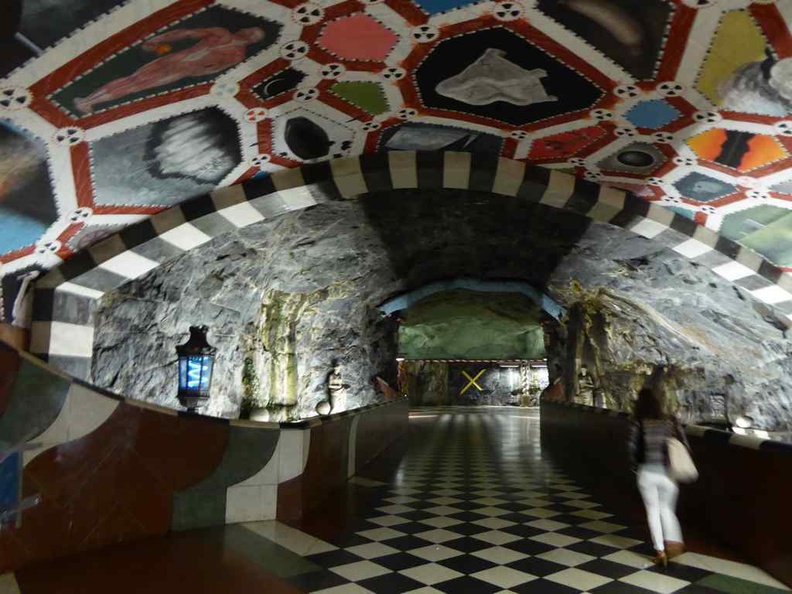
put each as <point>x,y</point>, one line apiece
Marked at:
<point>494,523</point>
<point>599,526</point>
<point>492,511</point>
<point>656,582</point>
<point>438,535</point>
<point>289,538</point>
<point>372,550</point>
<point>615,541</point>
<point>557,540</point>
<point>540,512</point>
<point>488,501</point>
<point>442,510</point>
<point>441,522</point>
<point>577,578</point>
<point>431,573</point>
<point>496,537</point>
<point>362,570</point>
<point>500,555</point>
<point>381,533</point>
<point>344,589</point>
<point>549,525</point>
<point>566,557</point>
<point>435,553</point>
<point>445,500</point>
<point>628,558</point>
<point>388,521</point>
<point>503,577</point>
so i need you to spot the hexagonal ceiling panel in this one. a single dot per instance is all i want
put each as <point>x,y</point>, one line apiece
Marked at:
<point>115,110</point>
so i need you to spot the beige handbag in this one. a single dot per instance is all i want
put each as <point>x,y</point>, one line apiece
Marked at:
<point>680,465</point>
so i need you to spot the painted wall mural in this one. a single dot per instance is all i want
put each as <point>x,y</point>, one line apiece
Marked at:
<point>112,111</point>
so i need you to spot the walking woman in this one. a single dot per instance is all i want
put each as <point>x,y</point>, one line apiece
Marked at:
<point>649,453</point>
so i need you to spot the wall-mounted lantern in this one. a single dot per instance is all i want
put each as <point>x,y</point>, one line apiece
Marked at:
<point>196,363</point>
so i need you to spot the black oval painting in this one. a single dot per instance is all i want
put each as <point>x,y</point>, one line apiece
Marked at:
<point>306,139</point>
<point>635,158</point>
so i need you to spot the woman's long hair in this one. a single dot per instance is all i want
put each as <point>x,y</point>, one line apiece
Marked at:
<point>648,406</point>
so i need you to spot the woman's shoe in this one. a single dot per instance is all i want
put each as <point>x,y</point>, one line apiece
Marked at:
<point>661,559</point>
<point>674,548</point>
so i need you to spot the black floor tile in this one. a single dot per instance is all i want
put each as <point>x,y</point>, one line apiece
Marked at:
<point>536,566</point>
<point>466,585</point>
<point>591,548</point>
<point>468,544</point>
<point>622,588</point>
<point>412,527</point>
<point>607,568</point>
<point>529,547</point>
<point>577,532</point>
<point>334,558</point>
<point>467,505</point>
<point>417,515</point>
<point>406,543</point>
<point>683,572</point>
<point>467,529</point>
<point>390,583</point>
<point>468,516</point>
<point>467,564</point>
<point>522,530</point>
<point>542,586</point>
<point>399,561</point>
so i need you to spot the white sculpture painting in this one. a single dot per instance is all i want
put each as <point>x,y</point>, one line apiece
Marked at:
<point>494,78</point>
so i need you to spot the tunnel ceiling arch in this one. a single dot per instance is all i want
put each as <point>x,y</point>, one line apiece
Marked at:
<point>407,300</point>
<point>66,298</point>
<point>112,112</point>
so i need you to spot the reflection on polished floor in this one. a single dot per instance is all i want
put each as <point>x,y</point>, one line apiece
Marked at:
<point>466,504</point>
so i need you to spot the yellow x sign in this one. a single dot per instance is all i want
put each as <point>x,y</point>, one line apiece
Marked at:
<point>472,381</point>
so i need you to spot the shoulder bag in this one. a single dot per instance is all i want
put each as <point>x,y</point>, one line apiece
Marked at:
<point>680,464</point>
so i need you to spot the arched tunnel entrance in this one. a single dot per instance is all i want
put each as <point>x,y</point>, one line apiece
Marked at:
<point>286,296</point>
<point>469,342</point>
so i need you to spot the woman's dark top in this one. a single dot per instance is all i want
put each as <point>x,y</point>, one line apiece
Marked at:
<point>648,440</point>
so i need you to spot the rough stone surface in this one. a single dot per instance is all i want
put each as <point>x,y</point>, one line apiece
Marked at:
<point>286,296</point>
<point>644,306</point>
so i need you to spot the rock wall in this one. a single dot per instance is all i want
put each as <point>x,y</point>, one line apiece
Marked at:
<point>283,300</point>
<point>285,297</point>
<point>634,305</point>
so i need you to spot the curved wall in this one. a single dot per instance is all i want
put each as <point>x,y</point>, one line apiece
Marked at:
<point>110,469</point>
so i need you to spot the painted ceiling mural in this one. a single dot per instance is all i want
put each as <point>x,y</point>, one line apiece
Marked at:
<point>111,112</point>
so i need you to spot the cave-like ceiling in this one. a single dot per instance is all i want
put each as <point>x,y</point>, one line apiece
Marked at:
<point>111,112</point>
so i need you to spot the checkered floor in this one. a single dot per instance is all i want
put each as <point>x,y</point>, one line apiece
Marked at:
<point>475,507</point>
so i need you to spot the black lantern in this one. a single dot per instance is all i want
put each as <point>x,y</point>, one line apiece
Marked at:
<point>196,363</point>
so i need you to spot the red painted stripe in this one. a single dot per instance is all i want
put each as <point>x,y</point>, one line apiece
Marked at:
<point>681,25</point>
<point>774,27</point>
<point>81,170</point>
